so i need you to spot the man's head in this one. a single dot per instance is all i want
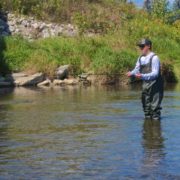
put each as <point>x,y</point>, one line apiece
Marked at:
<point>145,46</point>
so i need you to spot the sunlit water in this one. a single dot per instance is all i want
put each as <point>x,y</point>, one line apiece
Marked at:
<point>87,133</point>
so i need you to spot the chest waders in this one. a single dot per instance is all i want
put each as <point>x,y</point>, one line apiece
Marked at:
<point>152,91</point>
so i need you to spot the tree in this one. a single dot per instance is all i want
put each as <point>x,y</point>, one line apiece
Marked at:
<point>176,5</point>
<point>147,5</point>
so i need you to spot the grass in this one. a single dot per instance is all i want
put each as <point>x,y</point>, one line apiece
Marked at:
<point>84,54</point>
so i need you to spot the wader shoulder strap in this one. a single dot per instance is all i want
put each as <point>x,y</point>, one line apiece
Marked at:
<point>151,59</point>
<point>140,59</point>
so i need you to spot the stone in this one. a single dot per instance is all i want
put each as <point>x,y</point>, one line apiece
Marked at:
<point>25,26</point>
<point>53,32</point>
<point>46,33</point>
<point>42,26</point>
<point>17,31</point>
<point>47,82</point>
<point>63,72</point>
<point>24,22</point>
<point>12,28</point>
<point>57,82</point>
<point>29,80</point>
<point>83,76</point>
<point>35,25</point>
<point>71,81</point>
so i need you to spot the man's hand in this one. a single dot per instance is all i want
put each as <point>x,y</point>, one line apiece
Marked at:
<point>129,74</point>
<point>139,75</point>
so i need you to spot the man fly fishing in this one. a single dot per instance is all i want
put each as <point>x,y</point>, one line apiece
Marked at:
<point>149,71</point>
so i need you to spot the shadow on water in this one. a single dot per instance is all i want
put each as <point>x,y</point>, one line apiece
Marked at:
<point>153,145</point>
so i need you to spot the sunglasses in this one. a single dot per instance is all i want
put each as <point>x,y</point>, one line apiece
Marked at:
<point>142,47</point>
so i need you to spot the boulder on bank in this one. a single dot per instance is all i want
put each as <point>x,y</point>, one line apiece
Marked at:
<point>63,72</point>
<point>30,80</point>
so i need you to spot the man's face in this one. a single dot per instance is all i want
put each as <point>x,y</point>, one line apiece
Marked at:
<point>144,49</point>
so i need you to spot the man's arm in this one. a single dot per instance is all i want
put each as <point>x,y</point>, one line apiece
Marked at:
<point>136,69</point>
<point>155,70</point>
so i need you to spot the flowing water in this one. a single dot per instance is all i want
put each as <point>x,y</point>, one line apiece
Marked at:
<point>87,133</point>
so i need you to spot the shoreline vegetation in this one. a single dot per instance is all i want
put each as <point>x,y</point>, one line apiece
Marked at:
<point>108,54</point>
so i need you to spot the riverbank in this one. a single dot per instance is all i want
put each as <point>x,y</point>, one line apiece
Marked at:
<point>98,57</point>
<point>109,53</point>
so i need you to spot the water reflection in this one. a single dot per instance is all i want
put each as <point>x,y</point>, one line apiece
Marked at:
<point>153,145</point>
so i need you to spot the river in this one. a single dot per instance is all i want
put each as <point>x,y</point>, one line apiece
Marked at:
<point>87,133</point>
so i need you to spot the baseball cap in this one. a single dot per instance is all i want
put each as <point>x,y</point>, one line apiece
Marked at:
<point>144,42</point>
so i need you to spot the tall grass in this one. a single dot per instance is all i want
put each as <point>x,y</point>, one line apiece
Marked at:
<point>84,54</point>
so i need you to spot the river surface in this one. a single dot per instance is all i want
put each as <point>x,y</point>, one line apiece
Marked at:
<point>87,133</point>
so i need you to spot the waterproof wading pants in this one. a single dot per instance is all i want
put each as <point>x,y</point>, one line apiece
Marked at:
<point>152,95</point>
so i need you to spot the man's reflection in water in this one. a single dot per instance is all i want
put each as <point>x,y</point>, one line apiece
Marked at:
<point>153,146</point>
